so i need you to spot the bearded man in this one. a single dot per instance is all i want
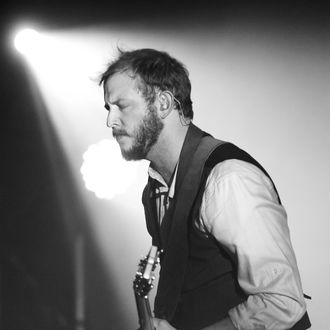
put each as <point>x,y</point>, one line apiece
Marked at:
<point>227,260</point>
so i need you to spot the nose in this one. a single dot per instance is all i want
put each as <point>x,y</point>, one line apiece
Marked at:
<point>112,118</point>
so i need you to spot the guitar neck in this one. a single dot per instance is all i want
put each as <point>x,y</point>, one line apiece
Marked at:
<point>142,285</point>
<point>144,313</point>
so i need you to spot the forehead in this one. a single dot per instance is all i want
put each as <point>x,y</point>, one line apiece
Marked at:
<point>121,84</point>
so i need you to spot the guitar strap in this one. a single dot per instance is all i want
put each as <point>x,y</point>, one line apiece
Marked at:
<point>174,229</point>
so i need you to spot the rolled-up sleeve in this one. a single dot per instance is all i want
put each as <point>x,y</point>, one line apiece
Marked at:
<point>240,209</point>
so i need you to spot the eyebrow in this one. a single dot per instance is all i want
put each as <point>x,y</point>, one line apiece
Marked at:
<point>116,102</point>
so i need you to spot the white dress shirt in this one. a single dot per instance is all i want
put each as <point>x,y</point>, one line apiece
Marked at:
<point>240,209</point>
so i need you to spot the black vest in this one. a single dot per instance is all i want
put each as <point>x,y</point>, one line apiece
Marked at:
<point>198,282</point>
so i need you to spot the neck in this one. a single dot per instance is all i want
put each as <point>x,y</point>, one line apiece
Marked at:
<point>165,154</point>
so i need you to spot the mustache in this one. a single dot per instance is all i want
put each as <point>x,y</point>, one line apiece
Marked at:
<point>118,132</point>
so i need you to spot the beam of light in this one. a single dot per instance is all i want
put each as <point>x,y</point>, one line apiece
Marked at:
<point>66,69</point>
<point>104,171</point>
<point>28,42</point>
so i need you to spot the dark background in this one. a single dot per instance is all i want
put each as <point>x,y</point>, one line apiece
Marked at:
<point>40,208</point>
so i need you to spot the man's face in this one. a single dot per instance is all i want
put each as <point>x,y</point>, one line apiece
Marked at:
<point>135,124</point>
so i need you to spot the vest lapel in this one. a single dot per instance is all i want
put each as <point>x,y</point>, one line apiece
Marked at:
<point>150,213</point>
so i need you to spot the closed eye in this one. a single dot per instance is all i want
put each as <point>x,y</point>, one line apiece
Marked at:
<point>122,106</point>
<point>118,105</point>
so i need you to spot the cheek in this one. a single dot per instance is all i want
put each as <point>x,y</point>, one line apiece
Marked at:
<point>133,121</point>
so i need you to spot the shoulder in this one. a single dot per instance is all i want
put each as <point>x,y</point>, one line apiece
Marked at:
<point>235,167</point>
<point>239,173</point>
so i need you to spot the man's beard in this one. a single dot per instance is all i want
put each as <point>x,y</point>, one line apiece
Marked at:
<point>145,136</point>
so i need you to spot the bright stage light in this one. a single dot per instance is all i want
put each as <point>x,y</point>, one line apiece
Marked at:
<point>28,41</point>
<point>104,171</point>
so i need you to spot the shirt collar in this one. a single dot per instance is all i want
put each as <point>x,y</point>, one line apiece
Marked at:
<point>156,176</point>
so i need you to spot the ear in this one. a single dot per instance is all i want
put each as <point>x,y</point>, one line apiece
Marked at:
<point>166,103</point>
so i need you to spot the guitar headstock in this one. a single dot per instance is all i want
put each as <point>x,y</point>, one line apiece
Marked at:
<point>144,276</point>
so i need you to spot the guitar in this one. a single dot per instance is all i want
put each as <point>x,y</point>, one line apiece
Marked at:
<point>142,285</point>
